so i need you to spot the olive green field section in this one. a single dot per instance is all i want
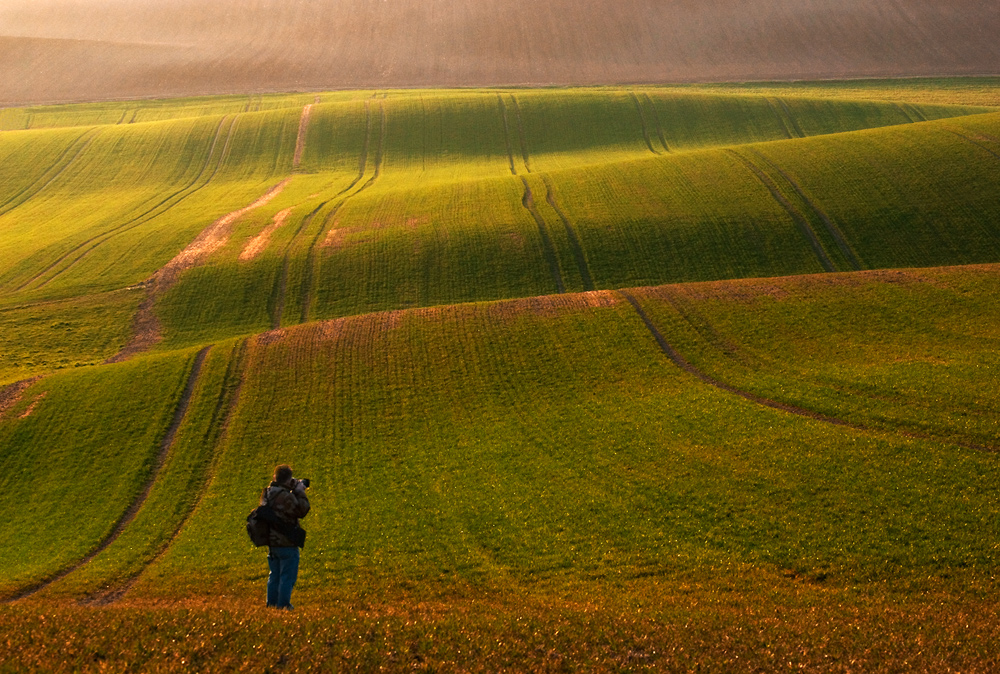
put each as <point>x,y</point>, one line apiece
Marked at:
<point>545,440</point>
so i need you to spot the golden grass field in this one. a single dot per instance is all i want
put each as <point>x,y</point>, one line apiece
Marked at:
<point>62,50</point>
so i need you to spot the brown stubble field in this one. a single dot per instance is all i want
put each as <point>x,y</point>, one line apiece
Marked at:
<point>61,50</point>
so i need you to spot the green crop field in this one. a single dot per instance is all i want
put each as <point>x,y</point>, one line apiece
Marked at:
<point>612,378</point>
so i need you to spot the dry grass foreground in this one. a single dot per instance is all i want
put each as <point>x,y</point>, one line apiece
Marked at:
<point>57,50</point>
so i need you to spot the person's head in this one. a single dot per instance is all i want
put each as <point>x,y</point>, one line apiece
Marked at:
<point>283,474</point>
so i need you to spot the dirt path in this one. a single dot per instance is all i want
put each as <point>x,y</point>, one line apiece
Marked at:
<point>259,243</point>
<point>179,413</point>
<point>158,209</point>
<point>300,140</point>
<point>642,122</point>
<point>506,134</point>
<point>574,241</point>
<point>548,249</point>
<point>59,166</point>
<point>146,329</point>
<point>832,229</point>
<point>797,217</point>
<point>688,367</point>
<point>11,394</point>
<point>229,397</point>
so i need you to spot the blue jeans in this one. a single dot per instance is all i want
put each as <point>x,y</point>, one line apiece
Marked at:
<point>284,564</point>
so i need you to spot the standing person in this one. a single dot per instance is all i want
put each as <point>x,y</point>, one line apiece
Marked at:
<point>287,497</point>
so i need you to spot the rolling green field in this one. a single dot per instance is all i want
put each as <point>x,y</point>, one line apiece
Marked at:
<point>587,379</point>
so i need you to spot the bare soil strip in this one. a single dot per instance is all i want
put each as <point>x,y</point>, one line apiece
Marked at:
<point>791,118</point>
<point>656,118</point>
<point>548,249</point>
<point>506,134</point>
<point>799,219</point>
<point>831,227</point>
<point>165,204</point>
<point>520,134</point>
<point>179,412</point>
<point>146,329</point>
<point>11,394</point>
<point>574,241</point>
<point>642,121</point>
<point>685,365</point>
<point>300,139</point>
<point>229,396</point>
<point>58,167</point>
<point>259,243</point>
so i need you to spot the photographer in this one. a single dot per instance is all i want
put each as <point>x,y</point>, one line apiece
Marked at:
<point>287,497</point>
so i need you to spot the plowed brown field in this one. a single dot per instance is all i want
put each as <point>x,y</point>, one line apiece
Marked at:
<point>55,50</point>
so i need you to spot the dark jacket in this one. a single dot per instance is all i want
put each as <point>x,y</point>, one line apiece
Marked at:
<point>289,505</point>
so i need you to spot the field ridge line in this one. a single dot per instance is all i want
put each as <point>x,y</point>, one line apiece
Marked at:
<point>685,365</point>
<point>835,232</point>
<point>656,118</point>
<point>642,123</point>
<point>506,134</point>
<point>228,400</point>
<point>131,223</point>
<point>300,139</point>
<point>574,240</point>
<point>548,248</point>
<point>180,411</point>
<point>520,134</point>
<point>800,220</point>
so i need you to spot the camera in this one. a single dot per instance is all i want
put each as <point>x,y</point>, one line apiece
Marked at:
<point>304,481</point>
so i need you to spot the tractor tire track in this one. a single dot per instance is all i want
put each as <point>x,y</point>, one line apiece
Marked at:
<point>781,119</point>
<point>179,413</point>
<point>832,229</point>
<point>228,400</point>
<point>904,113</point>
<point>520,134</point>
<point>799,219</point>
<point>642,122</point>
<point>574,241</point>
<point>791,118</point>
<point>548,249</point>
<point>916,113</point>
<point>277,300</point>
<point>506,134</point>
<point>151,213</point>
<point>659,126</point>
<point>379,152</point>
<point>81,143</point>
<point>973,141</point>
<point>691,369</point>
<point>300,139</point>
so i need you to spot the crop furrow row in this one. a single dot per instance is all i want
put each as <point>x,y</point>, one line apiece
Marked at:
<point>548,249</point>
<point>797,217</point>
<point>834,231</point>
<point>574,240</point>
<point>642,122</point>
<point>158,209</point>
<point>179,413</point>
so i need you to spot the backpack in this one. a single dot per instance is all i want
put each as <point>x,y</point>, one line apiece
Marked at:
<point>262,518</point>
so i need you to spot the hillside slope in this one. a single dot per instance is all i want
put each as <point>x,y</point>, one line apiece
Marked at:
<point>58,50</point>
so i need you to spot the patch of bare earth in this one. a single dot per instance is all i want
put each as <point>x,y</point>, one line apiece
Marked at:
<point>11,394</point>
<point>300,140</point>
<point>259,243</point>
<point>146,327</point>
